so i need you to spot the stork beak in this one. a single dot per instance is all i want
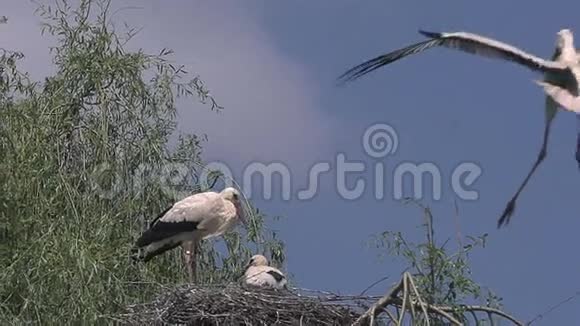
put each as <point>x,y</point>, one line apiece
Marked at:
<point>248,264</point>
<point>242,214</point>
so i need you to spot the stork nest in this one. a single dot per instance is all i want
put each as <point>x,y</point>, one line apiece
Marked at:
<point>232,304</point>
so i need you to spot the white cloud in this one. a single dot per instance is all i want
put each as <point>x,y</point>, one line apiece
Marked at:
<point>271,109</point>
<point>271,102</point>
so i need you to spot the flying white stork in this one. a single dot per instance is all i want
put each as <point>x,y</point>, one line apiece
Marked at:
<point>259,273</point>
<point>187,222</point>
<point>561,78</point>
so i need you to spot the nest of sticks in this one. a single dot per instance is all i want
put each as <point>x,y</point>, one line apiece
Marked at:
<point>233,304</point>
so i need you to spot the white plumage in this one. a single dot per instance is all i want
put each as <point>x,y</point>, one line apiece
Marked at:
<point>188,221</point>
<point>259,273</point>
<point>560,70</point>
<point>561,78</point>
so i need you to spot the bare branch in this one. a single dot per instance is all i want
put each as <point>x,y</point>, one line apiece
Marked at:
<point>409,289</point>
<point>426,314</point>
<point>492,311</point>
<point>372,285</point>
<point>444,310</point>
<point>383,302</point>
<point>551,309</point>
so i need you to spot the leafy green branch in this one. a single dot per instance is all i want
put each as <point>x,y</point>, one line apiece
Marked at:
<point>437,281</point>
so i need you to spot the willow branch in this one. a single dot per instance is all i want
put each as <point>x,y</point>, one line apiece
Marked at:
<point>444,310</point>
<point>383,302</point>
<point>410,278</point>
<point>493,311</point>
<point>408,287</point>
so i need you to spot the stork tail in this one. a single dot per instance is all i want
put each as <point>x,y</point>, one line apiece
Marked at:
<point>144,254</point>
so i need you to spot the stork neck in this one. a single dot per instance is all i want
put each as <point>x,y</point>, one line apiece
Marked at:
<point>568,50</point>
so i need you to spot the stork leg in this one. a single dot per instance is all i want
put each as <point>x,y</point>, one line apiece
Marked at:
<point>551,111</point>
<point>578,139</point>
<point>189,251</point>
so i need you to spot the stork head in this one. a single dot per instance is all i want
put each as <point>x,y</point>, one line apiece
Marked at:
<point>257,260</point>
<point>233,195</point>
<point>565,38</point>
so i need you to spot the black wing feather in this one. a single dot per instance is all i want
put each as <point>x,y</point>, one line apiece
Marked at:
<point>148,255</point>
<point>466,42</point>
<point>373,64</point>
<point>277,276</point>
<point>163,230</point>
<point>160,215</point>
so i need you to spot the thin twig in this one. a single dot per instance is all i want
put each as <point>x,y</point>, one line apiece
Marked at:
<point>379,305</point>
<point>442,311</point>
<point>458,233</point>
<point>405,298</point>
<point>390,316</point>
<point>426,314</point>
<point>372,285</point>
<point>554,307</point>
<point>408,287</point>
<point>489,310</point>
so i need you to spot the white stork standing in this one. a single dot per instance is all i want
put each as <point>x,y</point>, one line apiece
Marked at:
<point>259,273</point>
<point>561,77</point>
<point>187,222</point>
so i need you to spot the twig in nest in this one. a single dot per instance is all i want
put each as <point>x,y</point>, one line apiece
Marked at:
<point>232,304</point>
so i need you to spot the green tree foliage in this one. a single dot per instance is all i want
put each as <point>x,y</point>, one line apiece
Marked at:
<point>442,275</point>
<point>88,157</point>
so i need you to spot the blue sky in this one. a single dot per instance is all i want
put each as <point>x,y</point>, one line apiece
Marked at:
<point>273,66</point>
